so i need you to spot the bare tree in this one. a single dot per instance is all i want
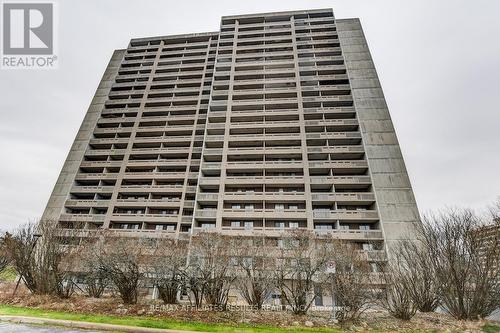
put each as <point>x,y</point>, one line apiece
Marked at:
<point>42,257</point>
<point>124,260</point>
<point>395,295</point>
<point>211,268</point>
<point>255,280</point>
<point>4,254</point>
<point>167,268</point>
<point>349,280</point>
<point>494,212</point>
<point>419,275</point>
<point>466,261</point>
<point>301,259</point>
<point>95,277</point>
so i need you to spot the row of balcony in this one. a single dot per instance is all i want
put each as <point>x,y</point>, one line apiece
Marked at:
<point>290,214</point>
<point>334,164</point>
<point>350,234</point>
<point>160,138</point>
<point>287,164</point>
<point>135,202</point>
<point>284,150</point>
<point>170,188</point>
<point>340,198</point>
<point>335,180</point>
<point>138,175</point>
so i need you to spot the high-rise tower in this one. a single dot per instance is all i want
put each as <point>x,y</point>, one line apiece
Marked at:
<point>276,121</point>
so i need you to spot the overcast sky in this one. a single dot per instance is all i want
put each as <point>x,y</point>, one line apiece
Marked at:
<point>438,62</point>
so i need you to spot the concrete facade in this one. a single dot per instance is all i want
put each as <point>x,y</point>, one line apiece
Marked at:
<point>275,122</point>
<point>394,195</point>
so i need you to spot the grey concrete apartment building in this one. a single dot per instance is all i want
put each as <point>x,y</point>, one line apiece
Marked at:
<point>276,121</point>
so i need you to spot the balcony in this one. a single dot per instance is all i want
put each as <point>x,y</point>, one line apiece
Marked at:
<point>155,175</point>
<point>170,189</point>
<point>341,166</point>
<point>248,165</point>
<point>205,181</point>
<point>91,189</point>
<point>345,215</point>
<point>211,165</point>
<point>207,198</point>
<point>109,140</point>
<point>164,218</point>
<point>343,123</point>
<point>113,130</point>
<point>236,180</point>
<point>179,150</point>
<point>82,217</point>
<point>158,162</point>
<point>205,214</point>
<point>264,101</point>
<point>347,110</point>
<point>152,203</point>
<point>86,203</point>
<point>289,214</point>
<point>263,150</point>
<point>351,234</point>
<point>116,120</point>
<point>260,196</point>
<point>343,198</point>
<point>335,135</point>
<point>101,163</point>
<point>341,180</point>
<point>95,176</point>
<point>105,152</point>
<point>336,149</point>
<point>264,137</point>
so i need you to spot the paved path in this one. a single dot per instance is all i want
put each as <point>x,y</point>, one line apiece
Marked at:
<point>9,327</point>
<point>75,325</point>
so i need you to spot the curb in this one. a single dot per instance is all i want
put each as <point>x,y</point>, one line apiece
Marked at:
<point>87,325</point>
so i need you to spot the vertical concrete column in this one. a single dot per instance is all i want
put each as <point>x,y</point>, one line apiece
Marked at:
<point>192,147</point>
<point>396,204</point>
<point>130,144</point>
<point>227,126</point>
<point>303,135</point>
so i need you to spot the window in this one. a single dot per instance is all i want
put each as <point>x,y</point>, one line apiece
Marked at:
<point>247,261</point>
<point>279,207</point>
<point>248,225</point>
<point>367,247</point>
<point>364,227</point>
<point>318,296</point>
<point>235,224</point>
<point>294,224</point>
<point>323,227</point>
<point>280,225</point>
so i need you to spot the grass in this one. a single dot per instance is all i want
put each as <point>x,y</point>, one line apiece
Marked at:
<point>154,322</point>
<point>8,275</point>
<point>491,328</point>
<point>167,323</point>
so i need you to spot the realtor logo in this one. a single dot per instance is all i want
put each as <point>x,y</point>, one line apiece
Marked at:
<point>28,35</point>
